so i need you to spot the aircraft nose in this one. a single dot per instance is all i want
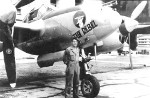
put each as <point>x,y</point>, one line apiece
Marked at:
<point>115,19</point>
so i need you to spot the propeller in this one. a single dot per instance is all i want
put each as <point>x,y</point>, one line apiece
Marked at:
<point>138,10</point>
<point>9,59</point>
<point>129,24</point>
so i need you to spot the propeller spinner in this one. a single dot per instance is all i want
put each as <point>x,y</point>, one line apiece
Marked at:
<point>129,23</point>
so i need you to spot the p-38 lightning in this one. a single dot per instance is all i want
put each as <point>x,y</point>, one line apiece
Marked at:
<point>48,35</point>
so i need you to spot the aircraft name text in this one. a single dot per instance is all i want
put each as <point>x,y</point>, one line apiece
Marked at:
<point>85,29</point>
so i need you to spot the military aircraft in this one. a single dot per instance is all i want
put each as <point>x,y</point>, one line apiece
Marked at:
<point>117,39</point>
<point>49,34</point>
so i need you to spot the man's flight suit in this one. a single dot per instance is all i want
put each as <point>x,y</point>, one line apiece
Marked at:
<point>71,59</point>
<point>7,20</point>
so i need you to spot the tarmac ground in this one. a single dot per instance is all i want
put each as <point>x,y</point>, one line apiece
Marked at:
<point>113,72</point>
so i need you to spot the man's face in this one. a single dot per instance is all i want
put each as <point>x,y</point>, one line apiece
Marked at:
<point>75,43</point>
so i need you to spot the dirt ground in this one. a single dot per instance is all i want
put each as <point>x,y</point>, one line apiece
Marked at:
<point>112,71</point>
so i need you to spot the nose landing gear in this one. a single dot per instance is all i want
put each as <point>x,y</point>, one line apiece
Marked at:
<point>89,84</point>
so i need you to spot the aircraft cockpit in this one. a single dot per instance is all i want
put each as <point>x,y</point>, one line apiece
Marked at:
<point>112,4</point>
<point>37,13</point>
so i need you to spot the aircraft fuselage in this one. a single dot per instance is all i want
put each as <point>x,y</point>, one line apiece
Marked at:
<point>59,27</point>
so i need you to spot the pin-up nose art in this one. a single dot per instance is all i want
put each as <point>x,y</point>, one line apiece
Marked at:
<point>79,19</point>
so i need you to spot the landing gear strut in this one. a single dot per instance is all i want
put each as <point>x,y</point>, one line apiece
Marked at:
<point>89,84</point>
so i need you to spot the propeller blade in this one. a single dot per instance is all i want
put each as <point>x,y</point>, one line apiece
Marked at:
<point>143,26</point>
<point>9,59</point>
<point>130,55</point>
<point>137,11</point>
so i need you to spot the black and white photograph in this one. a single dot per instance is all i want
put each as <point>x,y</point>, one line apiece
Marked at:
<point>74,49</point>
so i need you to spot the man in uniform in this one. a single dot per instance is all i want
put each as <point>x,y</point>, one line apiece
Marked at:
<point>71,59</point>
<point>7,20</point>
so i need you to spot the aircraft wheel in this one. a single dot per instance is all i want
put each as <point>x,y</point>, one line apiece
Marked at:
<point>90,86</point>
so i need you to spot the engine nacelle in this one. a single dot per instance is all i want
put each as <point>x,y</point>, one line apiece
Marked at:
<point>110,43</point>
<point>1,46</point>
<point>49,59</point>
<point>133,41</point>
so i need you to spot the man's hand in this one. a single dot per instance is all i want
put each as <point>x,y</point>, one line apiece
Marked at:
<point>87,59</point>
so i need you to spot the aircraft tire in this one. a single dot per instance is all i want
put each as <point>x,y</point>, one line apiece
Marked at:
<point>90,86</point>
